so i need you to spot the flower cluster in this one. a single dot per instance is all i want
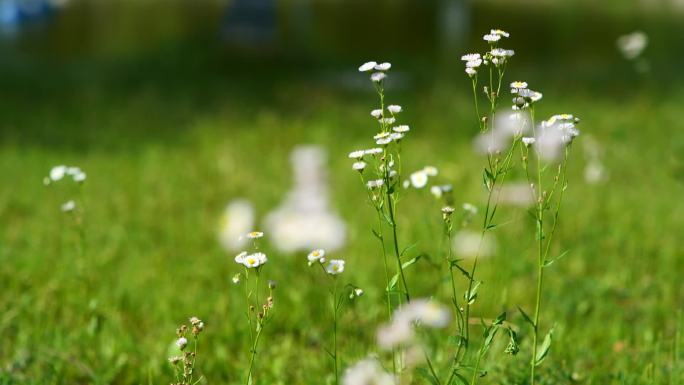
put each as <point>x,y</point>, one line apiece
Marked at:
<point>496,56</point>
<point>254,260</point>
<point>58,173</point>
<point>184,363</point>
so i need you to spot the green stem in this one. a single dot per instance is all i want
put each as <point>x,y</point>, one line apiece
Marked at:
<point>334,304</point>
<point>254,348</point>
<point>400,268</point>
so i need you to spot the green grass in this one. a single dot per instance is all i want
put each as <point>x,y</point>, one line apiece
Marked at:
<point>164,156</point>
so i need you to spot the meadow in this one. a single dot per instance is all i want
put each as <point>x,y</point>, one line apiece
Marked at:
<point>167,139</point>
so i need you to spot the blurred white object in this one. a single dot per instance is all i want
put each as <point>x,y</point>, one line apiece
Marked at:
<point>594,172</point>
<point>237,220</point>
<point>304,220</point>
<point>633,44</point>
<point>467,244</point>
<point>516,194</point>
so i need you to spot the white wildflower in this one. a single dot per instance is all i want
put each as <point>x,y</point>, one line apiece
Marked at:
<point>335,266</point>
<point>471,72</point>
<point>255,235</point>
<point>395,109</point>
<point>474,63</point>
<point>470,57</point>
<point>359,166</point>
<point>375,183</point>
<point>58,172</point>
<point>436,191</point>
<point>367,372</point>
<point>365,67</point>
<point>68,206</point>
<point>357,154</point>
<point>383,66</point>
<point>528,141</point>
<point>316,255</point>
<point>378,77</point>
<point>374,151</point>
<point>182,343</point>
<point>240,258</point>
<point>376,113</point>
<point>499,32</point>
<point>491,38</point>
<point>633,44</point>
<point>419,179</point>
<point>401,129</point>
<point>470,208</point>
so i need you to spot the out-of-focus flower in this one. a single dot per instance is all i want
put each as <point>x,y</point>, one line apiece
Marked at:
<point>236,220</point>
<point>527,141</point>
<point>383,66</point>
<point>335,267</point>
<point>516,194</point>
<point>372,184</point>
<point>595,172</point>
<point>373,151</point>
<point>377,113</point>
<point>470,57</point>
<point>393,108</point>
<point>315,255</point>
<point>367,372</point>
<point>418,311</point>
<point>68,206</point>
<point>633,44</point>
<point>467,243</point>
<point>255,234</point>
<point>365,67</point>
<point>182,343</point>
<point>469,208</point>
<point>357,154</point>
<point>491,38</point>
<point>401,129</point>
<point>378,77</point>
<point>359,166</point>
<point>419,179</point>
<point>57,172</point>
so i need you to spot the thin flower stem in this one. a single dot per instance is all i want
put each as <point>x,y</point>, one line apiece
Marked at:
<point>335,307</point>
<point>254,349</point>
<point>400,268</point>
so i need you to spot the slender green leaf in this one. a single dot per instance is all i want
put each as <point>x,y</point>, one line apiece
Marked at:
<point>543,350</point>
<point>550,262</point>
<point>526,317</point>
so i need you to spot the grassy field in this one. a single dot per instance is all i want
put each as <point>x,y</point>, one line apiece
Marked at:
<point>166,147</point>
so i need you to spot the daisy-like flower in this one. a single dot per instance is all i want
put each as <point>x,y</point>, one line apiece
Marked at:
<point>436,191</point>
<point>240,258</point>
<point>528,141</point>
<point>255,235</point>
<point>57,172</point>
<point>182,343</point>
<point>374,151</point>
<point>401,129</point>
<point>396,136</point>
<point>447,210</point>
<point>384,141</point>
<point>378,77</point>
<point>499,32</point>
<point>498,52</point>
<point>365,67</point>
<point>474,63</point>
<point>470,57</point>
<point>335,266</point>
<point>316,255</point>
<point>375,183</point>
<point>254,260</point>
<point>491,37</point>
<point>470,71</point>
<point>418,179</point>
<point>359,166</point>
<point>377,113</point>
<point>381,135</point>
<point>393,108</point>
<point>517,86</point>
<point>387,121</point>
<point>68,206</point>
<point>358,154</point>
<point>383,66</point>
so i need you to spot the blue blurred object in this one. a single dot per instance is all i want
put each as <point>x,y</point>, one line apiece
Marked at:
<point>16,13</point>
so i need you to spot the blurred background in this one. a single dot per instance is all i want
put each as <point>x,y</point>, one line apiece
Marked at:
<point>176,108</point>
